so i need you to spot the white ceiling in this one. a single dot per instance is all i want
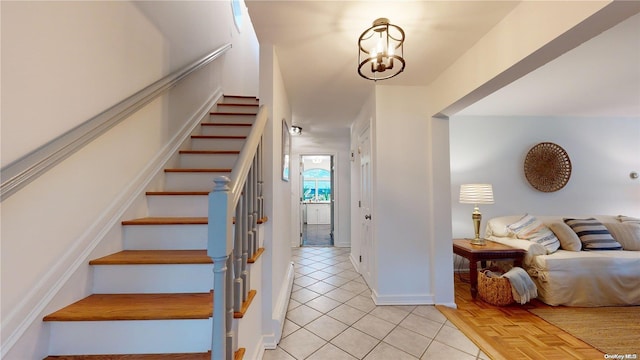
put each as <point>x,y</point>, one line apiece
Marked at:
<point>316,44</point>
<point>601,78</point>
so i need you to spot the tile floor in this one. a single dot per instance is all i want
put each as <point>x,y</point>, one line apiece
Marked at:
<point>316,235</point>
<point>331,316</point>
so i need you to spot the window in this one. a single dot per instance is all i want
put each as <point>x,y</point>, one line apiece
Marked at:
<point>316,185</point>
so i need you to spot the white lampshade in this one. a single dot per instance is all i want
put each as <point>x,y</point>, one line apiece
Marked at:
<point>476,194</point>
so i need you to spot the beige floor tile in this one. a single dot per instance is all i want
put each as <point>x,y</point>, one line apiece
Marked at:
<point>340,295</point>
<point>346,314</point>
<point>304,295</point>
<point>354,287</point>
<point>321,287</point>
<point>319,275</point>
<point>336,280</point>
<point>301,343</point>
<point>438,350</point>
<point>374,326</point>
<point>293,304</point>
<point>326,327</point>
<point>423,326</point>
<point>304,280</point>
<point>392,314</point>
<point>430,312</point>
<point>277,354</point>
<point>455,338</point>
<point>330,352</point>
<point>302,315</point>
<point>362,303</point>
<point>386,352</point>
<point>355,342</point>
<point>323,304</point>
<point>348,274</point>
<point>408,341</point>
<point>289,327</point>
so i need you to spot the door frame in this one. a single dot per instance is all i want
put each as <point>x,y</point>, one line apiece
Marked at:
<point>335,193</point>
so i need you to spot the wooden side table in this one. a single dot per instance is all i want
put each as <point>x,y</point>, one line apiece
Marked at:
<point>491,251</point>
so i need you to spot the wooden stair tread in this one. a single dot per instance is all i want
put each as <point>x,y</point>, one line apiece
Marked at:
<point>210,152</point>
<point>107,307</point>
<point>238,355</point>
<point>167,221</point>
<point>245,305</point>
<point>236,104</point>
<point>255,256</point>
<point>233,137</point>
<point>196,170</point>
<point>184,193</point>
<point>148,257</point>
<point>225,124</point>
<point>231,113</point>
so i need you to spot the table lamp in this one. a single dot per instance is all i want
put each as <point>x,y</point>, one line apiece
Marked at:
<point>476,194</point>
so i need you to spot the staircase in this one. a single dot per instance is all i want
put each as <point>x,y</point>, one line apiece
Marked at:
<point>154,299</point>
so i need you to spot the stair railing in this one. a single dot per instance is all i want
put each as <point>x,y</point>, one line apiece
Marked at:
<point>239,196</point>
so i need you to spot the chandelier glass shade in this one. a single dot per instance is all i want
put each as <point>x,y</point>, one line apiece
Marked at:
<point>381,51</point>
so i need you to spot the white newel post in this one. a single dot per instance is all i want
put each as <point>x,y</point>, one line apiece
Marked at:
<point>220,248</point>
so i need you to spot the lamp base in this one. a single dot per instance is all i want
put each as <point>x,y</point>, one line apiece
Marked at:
<point>478,241</point>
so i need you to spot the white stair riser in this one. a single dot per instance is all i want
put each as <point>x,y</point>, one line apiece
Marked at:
<point>237,109</point>
<point>207,161</point>
<point>191,181</point>
<point>130,337</point>
<point>231,119</point>
<point>178,205</point>
<point>165,237</point>
<point>239,100</point>
<point>152,279</point>
<point>225,130</point>
<point>217,144</point>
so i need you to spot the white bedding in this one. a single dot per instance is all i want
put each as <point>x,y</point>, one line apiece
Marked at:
<point>577,278</point>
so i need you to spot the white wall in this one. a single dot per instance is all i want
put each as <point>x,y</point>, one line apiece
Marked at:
<point>400,195</point>
<point>338,146</point>
<point>64,62</point>
<point>603,151</point>
<point>278,271</point>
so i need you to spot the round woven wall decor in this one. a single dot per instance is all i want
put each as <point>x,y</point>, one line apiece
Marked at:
<point>547,167</point>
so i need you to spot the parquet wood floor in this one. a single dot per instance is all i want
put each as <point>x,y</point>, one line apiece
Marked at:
<point>511,332</point>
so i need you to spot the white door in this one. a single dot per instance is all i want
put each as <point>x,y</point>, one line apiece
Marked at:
<point>364,150</point>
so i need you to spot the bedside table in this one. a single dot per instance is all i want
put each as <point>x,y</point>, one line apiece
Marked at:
<point>490,251</point>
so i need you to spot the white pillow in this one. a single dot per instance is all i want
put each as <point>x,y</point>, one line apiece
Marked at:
<point>569,240</point>
<point>532,229</point>
<point>626,233</point>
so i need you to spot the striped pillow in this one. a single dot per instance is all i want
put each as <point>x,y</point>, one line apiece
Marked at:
<point>593,234</point>
<point>532,229</point>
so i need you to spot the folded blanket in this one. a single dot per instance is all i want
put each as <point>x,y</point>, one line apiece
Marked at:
<point>522,287</point>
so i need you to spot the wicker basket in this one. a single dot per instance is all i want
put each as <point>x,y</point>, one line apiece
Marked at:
<point>494,290</point>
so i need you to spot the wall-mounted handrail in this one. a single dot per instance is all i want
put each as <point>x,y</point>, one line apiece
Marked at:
<point>26,169</point>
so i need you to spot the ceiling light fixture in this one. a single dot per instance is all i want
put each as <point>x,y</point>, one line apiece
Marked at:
<point>379,46</point>
<point>296,130</point>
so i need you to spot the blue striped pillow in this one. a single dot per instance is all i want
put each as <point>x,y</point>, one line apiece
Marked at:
<point>593,234</point>
<point>532,229</point>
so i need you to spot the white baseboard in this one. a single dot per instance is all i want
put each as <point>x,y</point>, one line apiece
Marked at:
<point>280,311</point>
<point>405,299</point>
<point>449,305</point>
<point>18,321</point>
<point>356,264</point>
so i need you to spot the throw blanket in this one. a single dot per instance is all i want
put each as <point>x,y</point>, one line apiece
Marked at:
<point>522,287</point>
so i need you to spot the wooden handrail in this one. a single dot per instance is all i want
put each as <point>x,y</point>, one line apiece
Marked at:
<point>26,169</point>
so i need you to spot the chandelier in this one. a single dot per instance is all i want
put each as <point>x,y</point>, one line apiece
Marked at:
<point>381,51</point>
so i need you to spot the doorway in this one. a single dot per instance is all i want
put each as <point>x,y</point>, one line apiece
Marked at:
<point>317,200</point>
